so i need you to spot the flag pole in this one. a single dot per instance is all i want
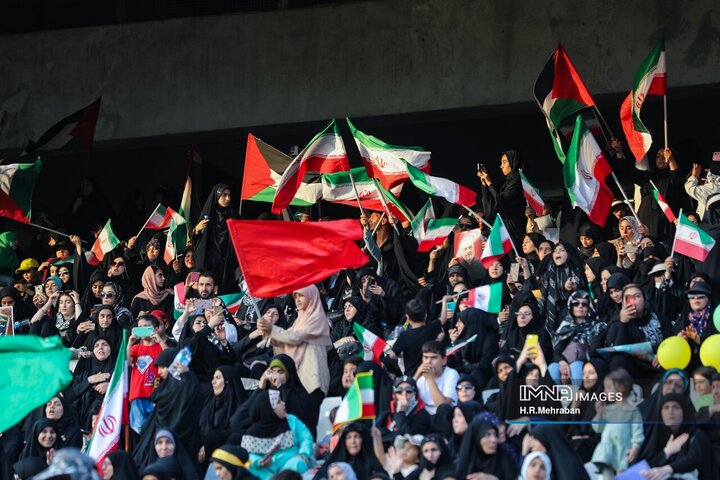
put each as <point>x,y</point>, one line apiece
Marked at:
<point>625,197</point>
<point>454,295</point>
<point>478,217</point>
<point>357,196</point>
<point>665,120</point>
<point>50,230</point>
<point>147,221</point>
<point>672,251</point>
<point>384,203</point>
<point>509,236</point>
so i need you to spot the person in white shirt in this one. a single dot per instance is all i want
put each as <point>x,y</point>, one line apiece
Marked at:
<point>435,380</point>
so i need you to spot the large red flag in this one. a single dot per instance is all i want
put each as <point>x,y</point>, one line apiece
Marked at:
<point>279,257</point>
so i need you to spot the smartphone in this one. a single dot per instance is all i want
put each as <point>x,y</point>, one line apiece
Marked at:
<point>630,301</point>
<point>451,306</point>
<point>142,332</point>
<point>202,304</point>
<point>38,289</point>
<point>514,271</point>
<point>532,340</point>
<point>716,157</point>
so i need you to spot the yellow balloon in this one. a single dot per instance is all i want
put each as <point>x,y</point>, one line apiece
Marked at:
<point>710,351</point>
<point>674,352</point>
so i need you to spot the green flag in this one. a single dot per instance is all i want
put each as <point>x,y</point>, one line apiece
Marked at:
<point>33,370</point>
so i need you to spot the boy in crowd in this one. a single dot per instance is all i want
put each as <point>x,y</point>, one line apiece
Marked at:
<point>417,333</point>
<point>435,380</point>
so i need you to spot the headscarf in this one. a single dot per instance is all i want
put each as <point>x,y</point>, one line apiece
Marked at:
<point>152,292</point>
<point>634,225</point>
<point>513,339</point>
<point>552,279</point>
<point>124,467</point>
<point>33,447</point>
<point>468,410</point>
<point>444,461</point>
<point>27,467</point>
<point>586,332</point>
<point>211,249</point>
<point>311,325</point>
<point>215,416</point>
<point>346,468</point>
<point>165,468</point>
<point>529,459</point>
<point>472,458</point>
<point>234,458</point>
<point>364,463</point>
<point>658,434</point>
<point>267,430</point>
<point>20,310</point>
<point>566,461</point>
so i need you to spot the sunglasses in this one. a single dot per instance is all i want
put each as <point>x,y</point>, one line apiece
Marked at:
<point>580,304</point>
<point>63,272</point>
<point>405,390</point>
<point>697,296</point>
<point>107,295</point>
<point>465,226</point>
<point>119,264</point>
<point>465,386</point>
<point>523,314</point>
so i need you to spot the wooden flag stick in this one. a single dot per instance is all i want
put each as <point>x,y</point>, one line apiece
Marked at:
<point>357,196</point>
<point>665,120</point>
<point>672,251</point>
<point>478,217</point>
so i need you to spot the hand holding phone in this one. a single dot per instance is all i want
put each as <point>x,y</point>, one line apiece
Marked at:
<point>531,341</point>
<point>142,332</point>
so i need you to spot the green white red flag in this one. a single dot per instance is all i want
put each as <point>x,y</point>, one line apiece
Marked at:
<point>650,79</point>
<point>160,218</point>
<point>664,205</point>
<point>392,203</point>
<point>113,412</point>
<point>186,201</point>
<point>324,154</point>
<point>584,172</point>
<point>373,345</point>
<point>17,182</point>
<point>487,298</point>
<point>458,346</point>
<point>532,195</point>
<point>359,401</point>
<point>176,239</point>
<point>232,301</point>
<point>105,242</point>
<point>384,161</point>
<point>429,231</point>
<point>691,240</point>
<point>498,243</point>
<point>440,187</point>
<point>337,188</point>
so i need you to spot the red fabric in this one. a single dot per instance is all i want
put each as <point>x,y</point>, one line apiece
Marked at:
<point>256,175</point>
<point>281,257</point>
<point>10,209</point>
<point>567,84</point>
<point>142,383</point>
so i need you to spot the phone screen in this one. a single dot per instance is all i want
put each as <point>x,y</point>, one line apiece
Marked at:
<point>38,289</point>
<point>142,332</point>
<point>630,301</point>
<point>451,306</point>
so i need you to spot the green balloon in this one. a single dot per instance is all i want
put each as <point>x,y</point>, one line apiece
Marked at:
<point>716,318</point>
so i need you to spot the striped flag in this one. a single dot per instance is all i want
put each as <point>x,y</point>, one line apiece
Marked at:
<point>373,345</point>
<point>532,195</point>
<point>584,173</point>
<point>487,298</point>
<point>650,79</point>
<point>74,131</point>
<point>428,231</point>
<point>186,201</point>
<point>17,182</point>
<point>498,243</point>
<point>664,205</point>
<point>359,402</point>
<point>160,218</point>
<point>384,161</point>
<point>395,206</point>
<point>176,239</point>
<point>113,412</point>
<point>324,154</point>
<point>691,240</point>
<point>457,347</point>
<point>104,243</point>
<point>440,187</point>
<point>232,301</point>
<point>337,188</point>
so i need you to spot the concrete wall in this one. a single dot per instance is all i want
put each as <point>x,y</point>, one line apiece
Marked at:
<point>360,59</point>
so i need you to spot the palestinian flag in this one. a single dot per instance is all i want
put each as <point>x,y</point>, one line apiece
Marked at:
<point>337,188</point>
<point>104,243</point>
<point>559,90</point>
<point>457,347</point>
<point>487,298</point>
<point>440,187</point>
<point>359,401</point>
<point>17,181</point>
<point>664,205</point>
<point>176,239</point>
<point>76,130</point>
<point>384,161</point>
<point>113,412</point>
<point>650,79</point>
<point>161,217</point>
<point>532,195</point>
<point>691,240</point>
<point>584,174</point>
<point>498,243</point>
<point>264,165</point>
<point>324,154</point>
<point>373,345</point>
<point>232,301</point>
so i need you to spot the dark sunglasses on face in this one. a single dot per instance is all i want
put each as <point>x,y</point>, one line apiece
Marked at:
<point>405,390</point>
<point>465,226</point>
<point>696,296</point>
<point>119,264</point>
<point>107,295</point>
<point>465,386</point>
<point>63,272</point>
<point>580,304</point>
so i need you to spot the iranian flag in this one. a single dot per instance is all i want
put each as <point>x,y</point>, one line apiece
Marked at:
<point>160,218</point>
<point>359,401</point>
<point>392,203</point>
<point>584,174</point>
<point>458,346</point>
<point>559,90</point>
<point>373,345</point>
<point>384,161</point>
<point>691,240</point>
<point>264,165</point>
<point>324,154</point>
<point>104,243</point>
<point>440,187</point>
<point>428,231</point>
<point>532,195</point>
<point>176,239</point>
<point>487,298</point>
<point>664,205</point>
<point>17,181</point>
<point>650,79</point>
<point>113,412</point>
<point>232,301</point>
<point>337,188</point>
<point>186,201</point>
<point>498,243</point>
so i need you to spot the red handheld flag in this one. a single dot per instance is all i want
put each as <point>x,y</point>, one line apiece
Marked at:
<point>279,257</point>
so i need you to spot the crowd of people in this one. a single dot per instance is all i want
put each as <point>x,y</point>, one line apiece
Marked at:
<point>252,401</point>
